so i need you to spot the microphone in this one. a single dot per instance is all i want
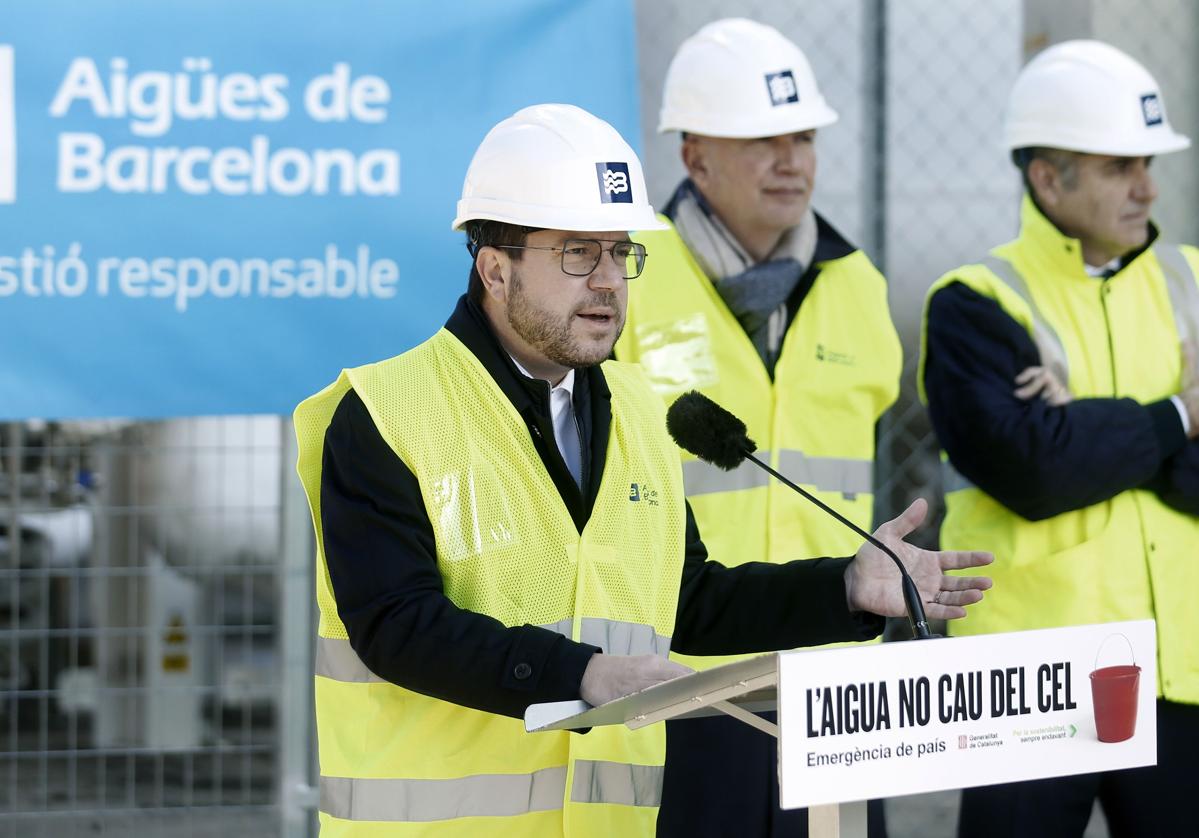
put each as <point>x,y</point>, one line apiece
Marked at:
<point>701,427</point>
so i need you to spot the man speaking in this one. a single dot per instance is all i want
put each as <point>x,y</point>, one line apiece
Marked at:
<point>500,521</point>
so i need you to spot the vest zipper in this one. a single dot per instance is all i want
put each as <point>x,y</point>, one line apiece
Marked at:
<point>583,458</point>
<point>1104,290</point>
<point>536,431</point>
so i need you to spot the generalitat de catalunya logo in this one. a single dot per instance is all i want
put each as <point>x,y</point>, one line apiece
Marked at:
<point>8,129</point>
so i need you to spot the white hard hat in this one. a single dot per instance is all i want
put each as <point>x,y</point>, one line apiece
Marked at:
<point>557,167</point>
<point>1089,96</point>
<point>739,78</point>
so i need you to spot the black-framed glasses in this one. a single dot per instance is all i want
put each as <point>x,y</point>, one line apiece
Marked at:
<point>580,257</point>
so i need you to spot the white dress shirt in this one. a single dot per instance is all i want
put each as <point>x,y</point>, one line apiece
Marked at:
<point>562,413</point>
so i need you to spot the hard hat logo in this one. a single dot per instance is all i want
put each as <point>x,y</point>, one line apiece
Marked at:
<point>783,90</point>
<point>1151,107</point>
<point>614,183</point>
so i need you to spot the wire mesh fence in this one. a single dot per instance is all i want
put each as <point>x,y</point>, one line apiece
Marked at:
<point>146,685</point>
<point>138,625</point>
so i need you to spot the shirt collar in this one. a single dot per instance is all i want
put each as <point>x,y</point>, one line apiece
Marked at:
<point>1102,271</point>
<point>567,383</point>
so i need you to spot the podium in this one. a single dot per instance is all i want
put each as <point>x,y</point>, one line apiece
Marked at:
<point>906,718</point>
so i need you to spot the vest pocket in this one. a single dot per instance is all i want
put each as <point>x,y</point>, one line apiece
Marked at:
<point>470,513</point>
<point>677,355</point>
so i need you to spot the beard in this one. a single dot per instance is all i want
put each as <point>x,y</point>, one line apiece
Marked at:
<point>551,334</point>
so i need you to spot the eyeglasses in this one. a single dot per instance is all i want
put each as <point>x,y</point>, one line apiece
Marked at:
<point>580,257</point>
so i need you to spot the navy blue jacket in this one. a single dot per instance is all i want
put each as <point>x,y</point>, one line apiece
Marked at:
<point>1040,461</point>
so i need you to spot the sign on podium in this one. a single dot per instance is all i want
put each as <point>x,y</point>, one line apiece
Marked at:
<point>905,718</point>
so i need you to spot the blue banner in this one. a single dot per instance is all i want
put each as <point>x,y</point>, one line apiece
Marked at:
<point>211,207</point>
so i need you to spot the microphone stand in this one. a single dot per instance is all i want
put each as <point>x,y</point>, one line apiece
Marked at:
<point>911,597</point>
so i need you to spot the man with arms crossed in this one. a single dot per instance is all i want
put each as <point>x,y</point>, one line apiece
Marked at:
<point>1057,380</point>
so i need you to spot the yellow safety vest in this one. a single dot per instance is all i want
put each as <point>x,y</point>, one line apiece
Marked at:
<point>837,372</point>
<point>397,763</point>
<point>1127,558</point>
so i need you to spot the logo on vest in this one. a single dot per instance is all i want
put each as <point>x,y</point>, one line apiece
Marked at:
<point>1151,109</point>
<point>828,356</point>
<point>642,493</point>
<point>782,88</point>
<point>614,186</point>
<point>8,128</point>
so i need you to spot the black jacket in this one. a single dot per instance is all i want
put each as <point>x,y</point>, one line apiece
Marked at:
<point>381,555</point>
<point>1040,461</point>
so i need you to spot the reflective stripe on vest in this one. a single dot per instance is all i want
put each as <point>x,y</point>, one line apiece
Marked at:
<point>489,795</point>
<point>337,660</point>
<point>828,474</point>
<point>700,478</point>
<point>1180,285</point>
<point>614,782</point>
<point>479,795</point>
<point>616,637</point>
<point>1049,345</point>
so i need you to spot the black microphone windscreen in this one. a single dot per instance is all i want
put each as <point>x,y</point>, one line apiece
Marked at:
<point>702,427</point>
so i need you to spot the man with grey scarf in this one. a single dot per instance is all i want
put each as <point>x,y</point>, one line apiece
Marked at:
<point>754,299</point>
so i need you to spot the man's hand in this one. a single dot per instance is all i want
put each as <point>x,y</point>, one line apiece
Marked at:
<point>1190,387</point>
<point>1041,381</point>
<point>872,581</point>
<point>608,677</point>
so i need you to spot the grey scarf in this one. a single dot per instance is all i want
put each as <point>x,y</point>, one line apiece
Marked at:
<point>756,294</point>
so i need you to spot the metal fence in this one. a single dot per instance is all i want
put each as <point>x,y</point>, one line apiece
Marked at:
<point>143,681</point>
<point>155,578</point>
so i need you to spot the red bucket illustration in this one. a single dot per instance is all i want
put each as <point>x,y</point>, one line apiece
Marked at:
<point>1114,693</point>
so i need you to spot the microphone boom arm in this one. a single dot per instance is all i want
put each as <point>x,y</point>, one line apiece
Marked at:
<point>911,596</point>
